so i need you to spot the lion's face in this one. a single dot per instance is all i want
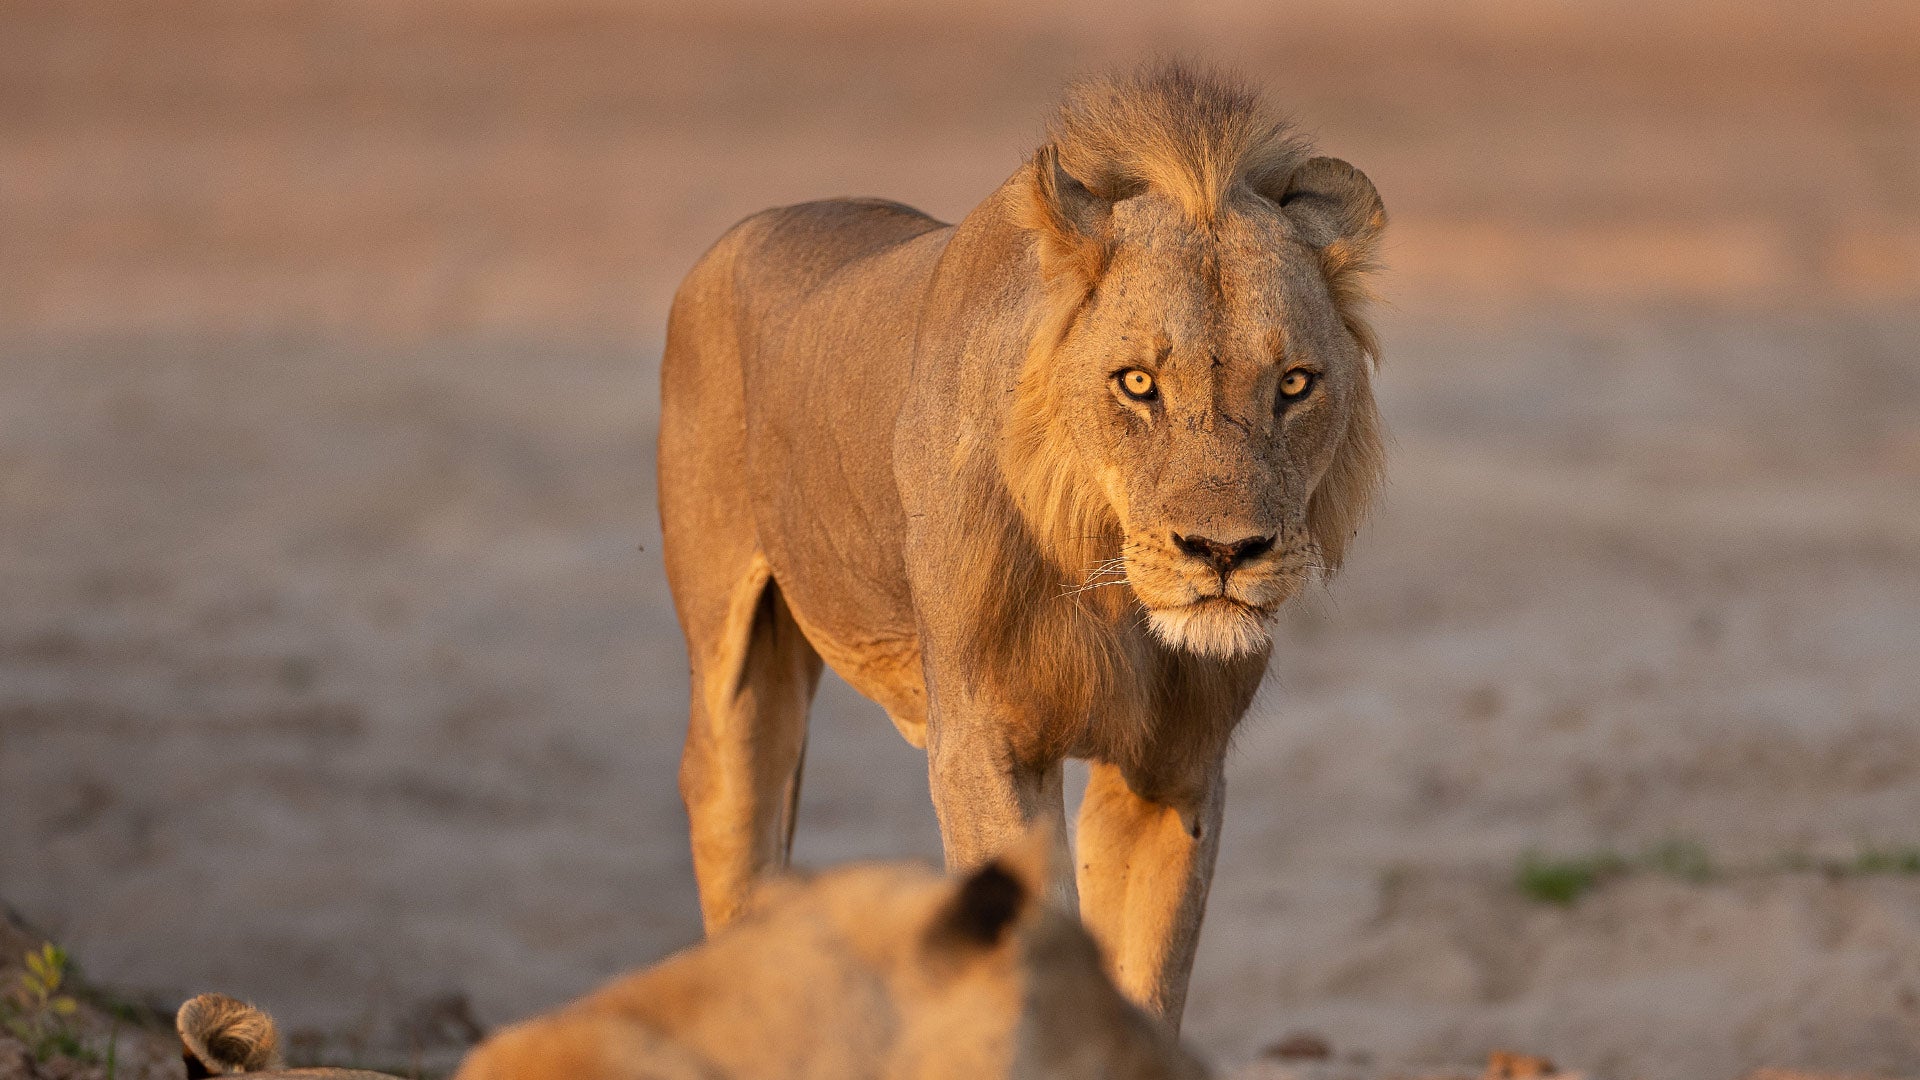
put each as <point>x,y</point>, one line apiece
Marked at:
<point>1210,380</point>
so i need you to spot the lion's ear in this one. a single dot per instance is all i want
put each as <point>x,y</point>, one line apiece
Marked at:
<point>984,904</point>
<point>1332,203</point>
<point>1069,223</point>
<point>1337,211</point>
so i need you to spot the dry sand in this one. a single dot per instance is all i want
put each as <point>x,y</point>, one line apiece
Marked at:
<point>337,669</point>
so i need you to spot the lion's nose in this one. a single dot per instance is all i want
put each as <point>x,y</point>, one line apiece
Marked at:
<point>1224,557</point>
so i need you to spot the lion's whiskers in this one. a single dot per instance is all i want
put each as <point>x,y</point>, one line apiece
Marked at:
<point>1115,570</point>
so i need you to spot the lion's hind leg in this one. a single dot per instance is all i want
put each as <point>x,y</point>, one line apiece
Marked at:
<point>746,738</point>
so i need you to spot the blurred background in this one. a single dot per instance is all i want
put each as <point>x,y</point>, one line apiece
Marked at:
<point>337,668</point>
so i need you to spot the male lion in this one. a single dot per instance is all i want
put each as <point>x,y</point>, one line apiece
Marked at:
<point>1035,483</point>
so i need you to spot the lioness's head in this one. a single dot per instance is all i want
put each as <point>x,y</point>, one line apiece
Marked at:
<point>871,970</point>
<point>981,975</point>
<point>1198,389</point>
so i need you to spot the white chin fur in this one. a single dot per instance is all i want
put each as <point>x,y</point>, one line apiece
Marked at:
<point>1214,629</point>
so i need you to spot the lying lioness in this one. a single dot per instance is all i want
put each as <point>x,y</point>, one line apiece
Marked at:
<point>879,970</point>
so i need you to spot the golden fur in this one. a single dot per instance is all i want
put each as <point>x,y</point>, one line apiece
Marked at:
<point>903,448</point>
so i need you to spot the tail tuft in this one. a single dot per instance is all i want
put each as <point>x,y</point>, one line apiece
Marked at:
<point>222,1035</point>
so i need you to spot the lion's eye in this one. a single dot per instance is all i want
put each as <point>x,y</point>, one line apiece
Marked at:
<point>1295,384</point>
<point>1138,385</point>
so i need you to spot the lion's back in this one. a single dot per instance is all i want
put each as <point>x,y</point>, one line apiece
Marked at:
<point>797,326</point>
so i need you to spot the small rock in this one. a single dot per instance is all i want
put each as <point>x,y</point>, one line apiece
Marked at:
<point>15,1062</point>
<point>1802,1074</point>
<point>1300,1046</point>
<point>1507,1065</point>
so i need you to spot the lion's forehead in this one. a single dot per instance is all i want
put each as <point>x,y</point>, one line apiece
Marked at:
<point>1246,295</point>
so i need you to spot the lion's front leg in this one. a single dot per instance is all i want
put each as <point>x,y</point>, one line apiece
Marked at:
<point>1144,869</point>
<point>986,802</point>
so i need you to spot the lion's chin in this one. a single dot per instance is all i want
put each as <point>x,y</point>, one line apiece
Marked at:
<point>1216,628</point>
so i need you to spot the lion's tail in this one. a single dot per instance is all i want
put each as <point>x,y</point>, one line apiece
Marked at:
<point>221,1035</point>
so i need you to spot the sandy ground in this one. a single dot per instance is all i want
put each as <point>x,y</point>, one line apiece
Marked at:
<point>337,669</point>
